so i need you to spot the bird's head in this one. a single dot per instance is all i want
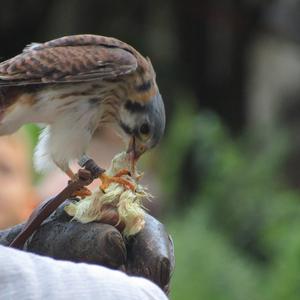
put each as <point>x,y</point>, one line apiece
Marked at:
<point>143,124</point>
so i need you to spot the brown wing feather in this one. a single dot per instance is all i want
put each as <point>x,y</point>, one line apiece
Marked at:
<point>70,59</point>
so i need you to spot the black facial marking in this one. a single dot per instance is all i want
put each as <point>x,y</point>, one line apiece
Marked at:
<point>126,128</point>
<point>134,106</point>
<point>144,87</point>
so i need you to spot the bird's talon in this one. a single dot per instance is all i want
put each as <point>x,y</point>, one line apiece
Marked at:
<point>139,176</point>
<point>107,180</point>
<point>82,193</point>
<point>123,172</point>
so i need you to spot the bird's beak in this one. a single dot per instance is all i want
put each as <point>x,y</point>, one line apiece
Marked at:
<point>133,157</point>
<point>131,150</point>
<point>135,149</point>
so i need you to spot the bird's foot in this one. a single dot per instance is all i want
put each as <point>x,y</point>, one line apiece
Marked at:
<point>107,180</point>
<point>81,175</point>
<point>136,176</point>
<point>123,172</point>
<point>82,193</point>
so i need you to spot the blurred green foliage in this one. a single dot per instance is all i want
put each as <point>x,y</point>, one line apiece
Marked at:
<point>234,219</point>
<point>32,131</point>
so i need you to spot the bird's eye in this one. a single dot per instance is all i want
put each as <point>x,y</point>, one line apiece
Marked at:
<point>145,129</point>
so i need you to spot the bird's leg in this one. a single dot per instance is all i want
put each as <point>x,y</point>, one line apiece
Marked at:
<point>70,174</point>
<point>106,180</point>
<point>84,191</point>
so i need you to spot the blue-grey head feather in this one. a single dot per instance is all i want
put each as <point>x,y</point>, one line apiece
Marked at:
<point>135,116</point>
<point>157,116</point>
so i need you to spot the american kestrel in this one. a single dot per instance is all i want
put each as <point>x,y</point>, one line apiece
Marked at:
<point>75,84</point>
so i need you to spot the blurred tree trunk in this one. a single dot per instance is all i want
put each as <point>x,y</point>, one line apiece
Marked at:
<point>213,38</point>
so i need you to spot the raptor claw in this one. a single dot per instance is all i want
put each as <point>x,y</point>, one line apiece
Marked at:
<point>107,180</point>
<point>82,193</point>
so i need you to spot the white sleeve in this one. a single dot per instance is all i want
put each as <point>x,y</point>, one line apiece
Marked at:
<point>28,276</point>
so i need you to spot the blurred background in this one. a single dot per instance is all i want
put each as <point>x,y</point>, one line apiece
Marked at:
<point>226,177</point>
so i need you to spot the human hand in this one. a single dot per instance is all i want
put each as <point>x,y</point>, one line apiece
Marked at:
<point>148,254</point>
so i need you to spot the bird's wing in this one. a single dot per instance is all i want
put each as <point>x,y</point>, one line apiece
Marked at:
<point>69,59</point>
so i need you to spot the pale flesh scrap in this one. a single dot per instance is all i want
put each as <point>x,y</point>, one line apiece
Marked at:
<point>115,205</point>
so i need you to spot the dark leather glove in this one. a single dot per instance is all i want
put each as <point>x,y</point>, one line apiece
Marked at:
<point>149,254</point>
